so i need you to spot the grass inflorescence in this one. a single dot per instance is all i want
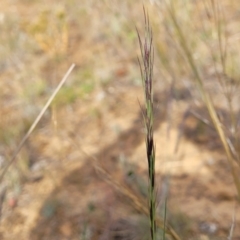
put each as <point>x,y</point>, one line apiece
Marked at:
<point>146,67</point>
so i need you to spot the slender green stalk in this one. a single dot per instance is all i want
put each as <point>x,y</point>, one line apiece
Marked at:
<point>146,68</point>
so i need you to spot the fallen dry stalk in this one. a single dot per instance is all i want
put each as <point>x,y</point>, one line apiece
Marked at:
<point>38,118</point>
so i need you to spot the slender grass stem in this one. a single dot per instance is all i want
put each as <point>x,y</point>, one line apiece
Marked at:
<point>147,53</point>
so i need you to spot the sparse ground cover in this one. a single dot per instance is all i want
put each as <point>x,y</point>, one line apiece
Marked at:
<point>55,189</point>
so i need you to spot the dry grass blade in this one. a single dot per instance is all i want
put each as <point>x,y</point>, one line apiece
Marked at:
<point>38,118</point>
<point>136,201</point>
<point>230,236</point>
<point>205,96</point>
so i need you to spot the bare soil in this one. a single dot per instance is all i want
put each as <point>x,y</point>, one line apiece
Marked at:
<point>66,196</point>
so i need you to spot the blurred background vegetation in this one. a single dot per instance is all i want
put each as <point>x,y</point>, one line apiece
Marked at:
<point>98,106</point>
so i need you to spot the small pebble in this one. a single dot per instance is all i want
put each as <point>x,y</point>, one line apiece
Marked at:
<point>207,227</point>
